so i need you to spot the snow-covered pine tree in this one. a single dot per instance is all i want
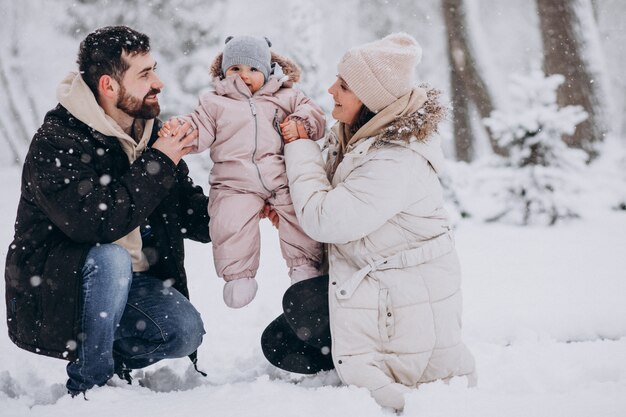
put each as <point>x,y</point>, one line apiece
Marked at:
<point>535,183</point>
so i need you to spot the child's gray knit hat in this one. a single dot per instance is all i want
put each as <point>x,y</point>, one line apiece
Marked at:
<point>247,50</point>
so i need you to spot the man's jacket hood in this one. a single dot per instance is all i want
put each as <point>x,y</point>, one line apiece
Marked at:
<point>76,96</point>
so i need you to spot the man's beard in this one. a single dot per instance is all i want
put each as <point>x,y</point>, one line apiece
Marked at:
<point>137,108</point>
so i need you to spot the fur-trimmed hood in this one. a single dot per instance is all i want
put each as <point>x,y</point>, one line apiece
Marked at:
<point>420,124</point>
<point>290,68</point>
<point>416,130</point>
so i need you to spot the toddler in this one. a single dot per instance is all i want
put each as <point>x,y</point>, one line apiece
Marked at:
<point>240,121</point>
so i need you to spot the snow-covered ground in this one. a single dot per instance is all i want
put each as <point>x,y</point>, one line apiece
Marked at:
<point>545,316</point>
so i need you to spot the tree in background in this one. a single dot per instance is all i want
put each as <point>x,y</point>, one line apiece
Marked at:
<point>18,110</point>
<point>378,18</point>
<point>382,17</point>
<point>304,26</point>
<point>466,80</point>
<point>535,182</point>
<point>572,48</point>
<point>182,32</point>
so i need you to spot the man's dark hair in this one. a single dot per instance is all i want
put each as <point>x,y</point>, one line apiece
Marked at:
<point>100,53</point>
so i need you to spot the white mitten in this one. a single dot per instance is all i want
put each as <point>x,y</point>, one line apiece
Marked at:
<point>239,292</point>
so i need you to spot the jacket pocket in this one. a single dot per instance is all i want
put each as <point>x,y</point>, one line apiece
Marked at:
<point>24,317</point>
<point>13,309</point>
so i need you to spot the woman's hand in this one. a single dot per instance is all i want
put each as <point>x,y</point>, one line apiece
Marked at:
<point>269,213</point>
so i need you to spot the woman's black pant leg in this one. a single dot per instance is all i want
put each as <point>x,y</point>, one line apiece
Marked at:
<point>299,340</point>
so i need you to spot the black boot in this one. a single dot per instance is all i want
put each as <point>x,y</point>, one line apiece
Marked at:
<point>121,370</point>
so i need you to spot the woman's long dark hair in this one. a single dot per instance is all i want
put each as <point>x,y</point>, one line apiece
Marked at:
<point>364,116</point>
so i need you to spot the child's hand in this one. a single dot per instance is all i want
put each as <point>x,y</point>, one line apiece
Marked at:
<point>292,130</point>
<point>169,128</point>
<point>178,145</point>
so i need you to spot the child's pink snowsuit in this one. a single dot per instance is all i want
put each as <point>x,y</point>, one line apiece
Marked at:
<point>241,130</point>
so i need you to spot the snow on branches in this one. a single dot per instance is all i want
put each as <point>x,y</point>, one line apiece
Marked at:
<point>536,182</point>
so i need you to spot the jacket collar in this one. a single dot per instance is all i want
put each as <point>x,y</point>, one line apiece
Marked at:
<point>76,96</point>
<point>233,86</point>
<point>412,124</point>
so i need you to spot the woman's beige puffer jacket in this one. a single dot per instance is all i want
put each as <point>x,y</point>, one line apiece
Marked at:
<point>394,289</point>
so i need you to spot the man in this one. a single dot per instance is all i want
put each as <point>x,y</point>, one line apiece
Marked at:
<point>95,272</point>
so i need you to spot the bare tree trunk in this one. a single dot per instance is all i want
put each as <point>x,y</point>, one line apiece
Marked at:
<point>17,156</point>
<point>595,4</point>
<point>20,76</point>
<point>463,135</point>
<point>14,128</point>
<point>18,127</point>
<point>464,71</point>
<point>564,44</point>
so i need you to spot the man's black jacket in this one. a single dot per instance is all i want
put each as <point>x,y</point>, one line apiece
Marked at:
<point>78,190</point>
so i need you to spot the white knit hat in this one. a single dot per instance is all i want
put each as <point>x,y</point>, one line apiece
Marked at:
<point>380,72</point>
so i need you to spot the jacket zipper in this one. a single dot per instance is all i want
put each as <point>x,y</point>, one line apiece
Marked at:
<point>256,139</point>
<point>256,146</point>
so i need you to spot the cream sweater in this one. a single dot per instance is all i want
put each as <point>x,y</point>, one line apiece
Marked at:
<point>74,94</point>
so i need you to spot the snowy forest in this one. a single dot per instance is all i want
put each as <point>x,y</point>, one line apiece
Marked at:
<point>535,88</point>
<point>535,182</point>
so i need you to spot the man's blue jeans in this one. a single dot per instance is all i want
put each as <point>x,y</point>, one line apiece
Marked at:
<point>135,317</point>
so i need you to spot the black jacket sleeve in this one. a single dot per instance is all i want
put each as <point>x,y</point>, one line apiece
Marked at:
<point>194,206</point>
<point>87,204</point>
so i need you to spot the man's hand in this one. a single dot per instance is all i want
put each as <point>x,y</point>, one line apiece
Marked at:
<point>269,213</point>
<point>178,144</point>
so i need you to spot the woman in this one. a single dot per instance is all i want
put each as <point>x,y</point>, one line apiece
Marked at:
<point>392,298</point>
